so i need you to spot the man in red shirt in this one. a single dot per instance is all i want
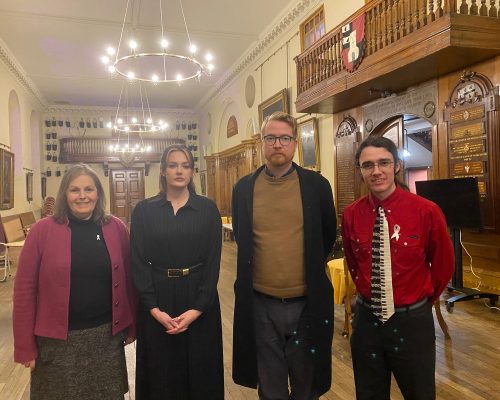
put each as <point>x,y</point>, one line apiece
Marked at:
<point>400,257</point>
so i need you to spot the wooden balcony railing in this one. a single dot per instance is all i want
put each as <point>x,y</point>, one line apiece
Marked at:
<point>395,29</point>
<point>96,150</point>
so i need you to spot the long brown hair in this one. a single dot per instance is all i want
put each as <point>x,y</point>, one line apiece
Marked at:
<point>163,166</point>
<point>61,209</point>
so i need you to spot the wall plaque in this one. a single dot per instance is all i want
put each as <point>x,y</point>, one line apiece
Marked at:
<point>346,181</point>
<point>467,115</point>
<point>459,149</point>
<point>468,131</point>
<point>472,116</point>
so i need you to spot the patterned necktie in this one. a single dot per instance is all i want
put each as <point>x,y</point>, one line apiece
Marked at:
<point>382,297</point>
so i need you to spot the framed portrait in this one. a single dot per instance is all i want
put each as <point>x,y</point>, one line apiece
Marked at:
<point>278,102</point>
<point>309,144</point>
<point>6,179</point>
<point>29,186</point>
<point>232,127</point>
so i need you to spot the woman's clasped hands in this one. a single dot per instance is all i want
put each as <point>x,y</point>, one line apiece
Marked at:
<point>178,324</point>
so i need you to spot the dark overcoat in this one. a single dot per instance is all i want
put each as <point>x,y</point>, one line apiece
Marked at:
<point>319,236</point>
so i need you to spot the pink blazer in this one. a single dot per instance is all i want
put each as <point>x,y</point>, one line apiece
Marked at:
<point>42,284</point>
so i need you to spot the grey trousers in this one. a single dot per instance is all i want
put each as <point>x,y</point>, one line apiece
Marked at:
<point>282,350</point>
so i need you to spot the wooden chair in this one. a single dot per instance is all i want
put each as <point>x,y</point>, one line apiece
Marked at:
<point>13,229</point>
<point>27,219</point>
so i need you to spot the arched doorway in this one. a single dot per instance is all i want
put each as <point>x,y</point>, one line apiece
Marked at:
<point>413,137</point>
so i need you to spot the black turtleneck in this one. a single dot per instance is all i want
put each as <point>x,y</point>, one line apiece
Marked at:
<point>90,290</point>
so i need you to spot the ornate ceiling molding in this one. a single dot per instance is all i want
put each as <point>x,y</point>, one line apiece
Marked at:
<point>70,109</point>
<point>19,74</point>
<point>297,12</point>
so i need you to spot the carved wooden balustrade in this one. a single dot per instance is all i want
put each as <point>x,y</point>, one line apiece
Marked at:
<point>96,150</point>
<point>447,34</point>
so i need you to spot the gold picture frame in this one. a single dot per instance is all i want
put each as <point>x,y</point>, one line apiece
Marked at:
<point>308,139</point>
<point>278,102</point>
<point>6,180</point>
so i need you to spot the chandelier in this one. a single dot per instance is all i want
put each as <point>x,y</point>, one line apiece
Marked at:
<point>157,65</point>
<point>131,119</point>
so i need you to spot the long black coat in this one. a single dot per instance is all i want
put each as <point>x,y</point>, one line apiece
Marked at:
<point>319,236</point>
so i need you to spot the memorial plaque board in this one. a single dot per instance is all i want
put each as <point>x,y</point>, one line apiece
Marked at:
<point>468,168</point>
<point>468,147</point>
<point>467,115</point>
<point>469,130</point>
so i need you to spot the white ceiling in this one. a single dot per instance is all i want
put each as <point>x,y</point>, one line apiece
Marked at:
<point>59,43</point>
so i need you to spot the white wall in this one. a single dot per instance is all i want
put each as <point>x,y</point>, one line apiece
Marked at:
<point>273,70</point>
<point>30,110</point>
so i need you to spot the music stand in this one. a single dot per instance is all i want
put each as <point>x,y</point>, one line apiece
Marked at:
<point>458,198</point>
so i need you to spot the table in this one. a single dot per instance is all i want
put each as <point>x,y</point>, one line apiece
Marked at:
<point>227,231</point>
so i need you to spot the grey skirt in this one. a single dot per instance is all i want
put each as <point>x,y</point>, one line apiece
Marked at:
<point>89,365</point>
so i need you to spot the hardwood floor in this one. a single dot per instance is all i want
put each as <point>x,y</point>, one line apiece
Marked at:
<point>468,365</point>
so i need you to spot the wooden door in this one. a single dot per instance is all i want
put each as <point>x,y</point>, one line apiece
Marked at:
<point>127,189</point>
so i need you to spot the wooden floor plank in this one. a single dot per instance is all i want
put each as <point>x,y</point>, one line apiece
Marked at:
<point>467,366</point>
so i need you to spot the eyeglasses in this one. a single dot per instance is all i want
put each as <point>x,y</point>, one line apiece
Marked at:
<point>369,166</point>
<point>270,140</point>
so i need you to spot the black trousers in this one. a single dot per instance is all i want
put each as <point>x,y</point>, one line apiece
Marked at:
<point>404,345</point>
<point>283,352</point>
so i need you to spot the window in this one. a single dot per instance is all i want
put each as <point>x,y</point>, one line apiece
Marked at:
<point>312,28</point>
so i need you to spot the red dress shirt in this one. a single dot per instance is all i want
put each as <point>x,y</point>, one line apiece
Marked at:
<point>422,255</point>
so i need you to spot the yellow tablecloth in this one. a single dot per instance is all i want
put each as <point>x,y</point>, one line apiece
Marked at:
<point>335,272</point>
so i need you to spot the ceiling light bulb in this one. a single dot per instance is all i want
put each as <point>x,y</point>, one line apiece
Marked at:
<point>110,147</point>
<point>209,57</point>
<point>112,69</point>
<point>119,120</point>
<point>149,120</point>
<point>105,59</point>
<point>210,67</point>
<point>164,43</point>
<point>134,120</point>
<point>179,77</point>
<point>137,145</point>
<point>192,49</point>
<point>126,129</point>
<point>160,122</point>
<point>148,148</point>
<point>165,125</point>
<point>109,124</point>
<point>115,127</point>
<point>131,75</point>
<point>154,78</point>
<point>132,44</point>
<point>110,50</point>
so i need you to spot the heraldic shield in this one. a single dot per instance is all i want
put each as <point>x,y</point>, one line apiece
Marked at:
<point>353,43</point>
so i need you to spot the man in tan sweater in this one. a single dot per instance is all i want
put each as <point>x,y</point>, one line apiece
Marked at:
<point>284,224</point>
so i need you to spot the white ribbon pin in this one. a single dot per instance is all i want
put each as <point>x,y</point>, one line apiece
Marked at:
<point>98,237</point>
<point>395,235</point>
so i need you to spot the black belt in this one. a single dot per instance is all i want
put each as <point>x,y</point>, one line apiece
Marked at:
<point>178,272</point>
<point>281,299</point>
<point>410,307</point>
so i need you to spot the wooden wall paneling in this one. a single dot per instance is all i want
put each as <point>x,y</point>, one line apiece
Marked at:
<point>224,169</point>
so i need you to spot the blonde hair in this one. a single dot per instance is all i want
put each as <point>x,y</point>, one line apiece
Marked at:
<point>283,117</point>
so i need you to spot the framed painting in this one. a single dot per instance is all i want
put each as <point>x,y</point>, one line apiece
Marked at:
<point>6,179</point>
<point>278,102</point>
<point>309,144</point>
<point>29,186</point>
